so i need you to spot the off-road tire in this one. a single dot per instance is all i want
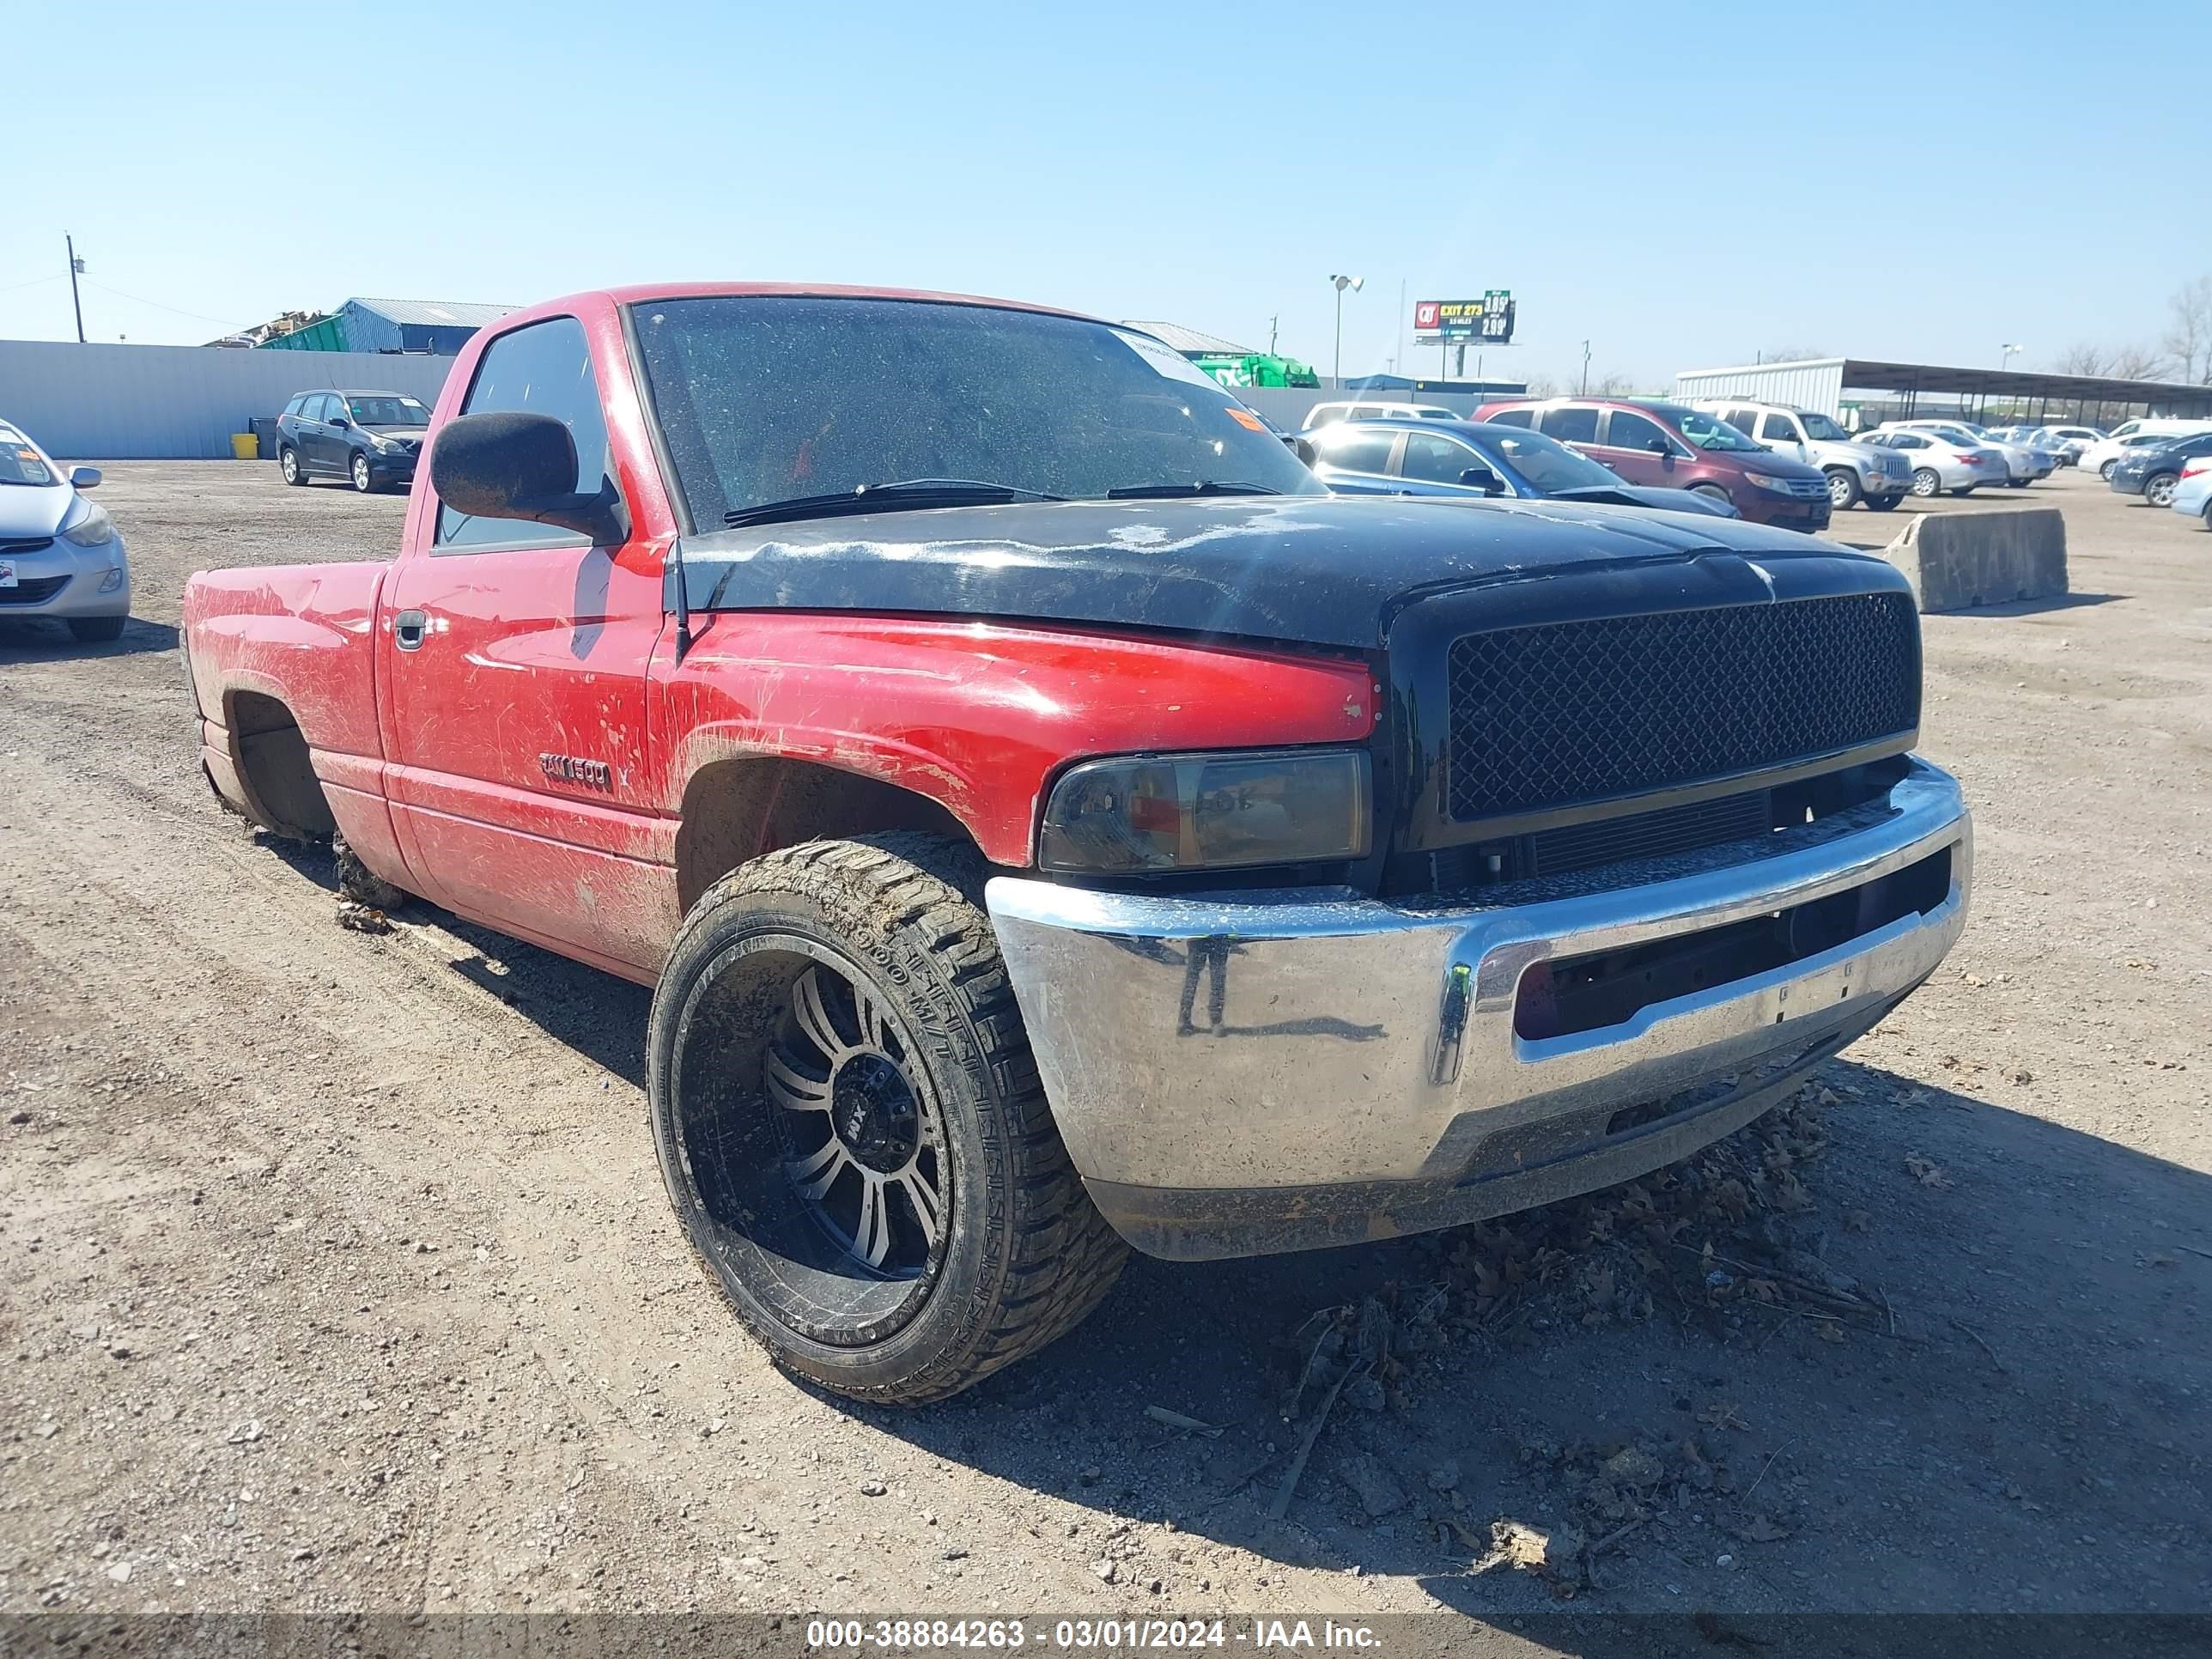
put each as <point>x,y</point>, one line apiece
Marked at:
<point>290,467</point>
<point>1021,1254</point>
<point>1844,491</point>
<point>96,630</point>
<point>356,884</point>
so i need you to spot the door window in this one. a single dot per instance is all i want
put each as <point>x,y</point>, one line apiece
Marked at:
<point>1777,429</point>
<point>1358,452</point>
<point>1573,424</point>
<point>1512,417</point>
<point>319,407</point>
<point>1435,459</point>
<point>1630,431</point>
<point>544,369</point>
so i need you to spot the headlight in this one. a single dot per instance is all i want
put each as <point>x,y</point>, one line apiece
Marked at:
<point>93,526</point>
<point>379,442</point>
<point>1160,813</point>
<point>1761,481</point>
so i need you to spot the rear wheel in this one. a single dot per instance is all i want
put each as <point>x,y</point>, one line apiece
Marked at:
<point>1843,488</point>
<point>2159,492</point>
<point>850,1125</point>
<point>363,479</point>
<point>96,630</point>
<point>288,463</point>
<point>1925,482</point>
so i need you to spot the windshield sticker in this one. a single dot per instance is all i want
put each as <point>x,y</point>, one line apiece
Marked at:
<point>1168,365</point>
<point>1245,418</point>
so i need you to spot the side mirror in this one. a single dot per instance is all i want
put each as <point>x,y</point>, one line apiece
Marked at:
<point>1482,479</point>
<point>1660,446</point>
<point>340,421</point>
<point>520,465</point>
<point>83,478</point>
<point>1305,452</point>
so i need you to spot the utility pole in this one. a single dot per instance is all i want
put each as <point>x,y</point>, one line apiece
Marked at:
<point>1272,322</point>
<point>1585,390</point>
<point>77,269</point>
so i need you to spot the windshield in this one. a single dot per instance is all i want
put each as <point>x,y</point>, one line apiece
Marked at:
<point>1821,429</point>
<point>21,463</point>
<point>387,411</point>
<point>765,398</point>
<point>1710,432</point>
<point>1548,465</point>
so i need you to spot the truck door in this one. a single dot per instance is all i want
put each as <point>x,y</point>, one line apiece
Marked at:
<point>513,681</point>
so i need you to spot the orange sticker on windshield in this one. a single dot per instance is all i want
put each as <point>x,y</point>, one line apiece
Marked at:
<point>1247,419</point>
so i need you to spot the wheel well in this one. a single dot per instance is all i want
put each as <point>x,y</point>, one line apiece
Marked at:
<point>281,790</point>
<point>736,809</point>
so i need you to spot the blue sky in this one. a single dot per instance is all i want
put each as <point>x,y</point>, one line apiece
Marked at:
<point>1682,184</point>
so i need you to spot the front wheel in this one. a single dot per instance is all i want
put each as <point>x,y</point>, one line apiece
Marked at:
<point>2105,470</point>
<point>1926,484</point>
<point>2159,492</point>
<point>363,479</point>
<point>1712,493</point>
<point>96,630</point>
<point>851,1128</point>
<point>1883,503</point>
<point>1843,489</point>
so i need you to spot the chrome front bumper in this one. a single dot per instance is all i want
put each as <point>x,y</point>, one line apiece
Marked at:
<point>1255,1072</point>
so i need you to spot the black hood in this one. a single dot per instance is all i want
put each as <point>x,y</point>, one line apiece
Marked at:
<point>1310,569</point>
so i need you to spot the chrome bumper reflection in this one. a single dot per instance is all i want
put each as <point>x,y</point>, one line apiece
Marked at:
<point>1317,1038</point>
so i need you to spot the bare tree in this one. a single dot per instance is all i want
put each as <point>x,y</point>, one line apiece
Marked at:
<point>1543,385</point>
<point>1613,386</point>
<point>1791,354</point>
<point>2189,336</point>
<point>2085,359</point>
<point>2137,362</point>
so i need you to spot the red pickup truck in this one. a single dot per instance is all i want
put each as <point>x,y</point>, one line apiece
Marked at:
<point>1052,824</point>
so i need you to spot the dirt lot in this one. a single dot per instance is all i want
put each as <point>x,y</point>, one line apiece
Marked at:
<point>337,1274</point>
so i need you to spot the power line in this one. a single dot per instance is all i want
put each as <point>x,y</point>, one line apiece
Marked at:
<point>16,288</point>
<point>140,299</point>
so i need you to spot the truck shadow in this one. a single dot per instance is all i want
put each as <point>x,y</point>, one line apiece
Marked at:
<point>2047,1365</point>
<point>24,639</point>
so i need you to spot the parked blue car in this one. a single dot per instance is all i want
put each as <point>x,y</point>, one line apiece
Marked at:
<point>1477,459</point>
<point>2152,471</point>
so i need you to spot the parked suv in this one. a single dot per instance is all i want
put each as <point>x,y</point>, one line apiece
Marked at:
<point>370,439</point>
<point>1856,472</point>
<point>1673,445</point>
<point>2152,471</point>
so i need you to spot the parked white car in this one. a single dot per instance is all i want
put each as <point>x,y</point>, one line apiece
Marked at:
<point>2101,456</point>
<point>1327,413</point>
<point>61,555</point>
<point>1939,465</point>
<point>1856,472</point>
<point>2023,466</point>
<point>2074,439</point>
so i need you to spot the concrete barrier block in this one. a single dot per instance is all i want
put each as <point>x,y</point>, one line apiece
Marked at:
<point>1956,560</point>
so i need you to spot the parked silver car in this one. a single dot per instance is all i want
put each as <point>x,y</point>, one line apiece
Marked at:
<point>61,555</point>
<point>1856,472</point>
<point>1939,463</point>
<point>2020,464</point>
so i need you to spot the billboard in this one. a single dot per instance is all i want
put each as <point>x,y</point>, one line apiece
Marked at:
<point>1489,319</point>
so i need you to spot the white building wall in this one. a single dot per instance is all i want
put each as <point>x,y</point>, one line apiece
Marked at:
<point>1817,383</point>
<point>104,403</point>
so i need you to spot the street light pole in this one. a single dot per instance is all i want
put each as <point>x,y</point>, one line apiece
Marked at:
<point>1343,282</point>
<point>1585,390</point>
<point>77,269</point>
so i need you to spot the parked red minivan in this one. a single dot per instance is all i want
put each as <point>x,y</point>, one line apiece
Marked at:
<point>1663,444</point>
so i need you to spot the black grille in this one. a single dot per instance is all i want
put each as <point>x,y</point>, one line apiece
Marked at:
<point>1570,712</point>
<point>1651,835</point>
<point>33,590</point>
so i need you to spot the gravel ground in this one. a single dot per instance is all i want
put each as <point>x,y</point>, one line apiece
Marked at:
<point>337,1274</point>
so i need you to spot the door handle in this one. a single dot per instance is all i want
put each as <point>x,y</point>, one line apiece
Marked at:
<point>407,629</point>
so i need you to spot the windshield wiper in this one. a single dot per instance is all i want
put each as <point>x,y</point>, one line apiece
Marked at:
<point>903,495</point>
<point>1203,487</point>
